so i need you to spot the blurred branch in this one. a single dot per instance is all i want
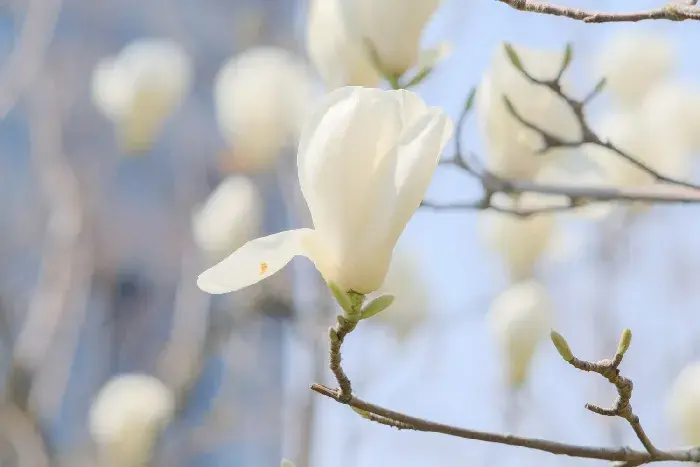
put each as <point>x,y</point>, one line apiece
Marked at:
<point>62,248</point>
<point>680,11</point>
<point>27,58</point>
<point>626,456</point>
<point>22,434</point>
<point>668,190</point>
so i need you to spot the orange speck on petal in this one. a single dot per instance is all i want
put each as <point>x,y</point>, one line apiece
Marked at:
<point>263,268</point>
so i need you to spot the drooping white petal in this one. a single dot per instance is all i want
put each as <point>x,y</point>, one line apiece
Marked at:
<point>256,260</point>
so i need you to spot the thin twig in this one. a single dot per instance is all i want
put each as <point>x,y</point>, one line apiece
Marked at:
<point>671,11</point>
<point>668,190</point>
<point>588,452</point>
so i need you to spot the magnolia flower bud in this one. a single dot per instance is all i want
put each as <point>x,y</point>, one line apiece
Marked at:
<point>139,88</point>
<point>519,319</point>
<point>519,241</point>
<point>391,28</point>
<point>659,146</point>
<point>683,404</point>
<point>511,147</point>
<point>365,160</point>
<point>633,62</point>
<point>406,282</point>
<point>340,59</point>
<point>229,218</point>
<point>127,416</point>
<point>261,99</point>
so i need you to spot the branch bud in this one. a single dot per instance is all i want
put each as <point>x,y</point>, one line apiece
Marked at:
<point>625,341</point>
<point>561,345</point>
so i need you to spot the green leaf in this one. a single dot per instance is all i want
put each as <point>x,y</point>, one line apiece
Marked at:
<point>470,100</point>
<point>416,80</point>
<point>568,55</point>
<point>377,305</point>
<point>513,57</point>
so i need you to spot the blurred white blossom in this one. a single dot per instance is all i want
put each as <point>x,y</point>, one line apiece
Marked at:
<point>365,160</point>
<point>511,147</point>
<point>656,144</point>
<point>407,283</point>
<point>340,59</point>
<point>229,218</point>
<point>140,87</point>
<point>519,319</point>
<point>520,242</point>
<point>262,98</point>
<point>392,27</point>
<point>127,416</point>
<point>683,404</point>
<point>676,105</point>
<point>633,62</point>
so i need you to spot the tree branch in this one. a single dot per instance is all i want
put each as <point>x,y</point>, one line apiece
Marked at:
<point>408,422</point>
<point>671,12</point>
<point>668,190</point>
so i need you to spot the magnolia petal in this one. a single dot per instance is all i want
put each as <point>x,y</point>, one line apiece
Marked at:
<point>419,152</point>
<point>256,260</point>
<point>428,58</point>
<point>338,150</point>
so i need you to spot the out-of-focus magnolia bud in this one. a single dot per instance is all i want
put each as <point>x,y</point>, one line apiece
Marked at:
<point>406,282</point>
<point>683,404</point>
<point>677,105</point>
<point>519,319</point>
<point>140,87</point>
<point>230,217</point>
<point>658,146</point>
<point>391,28</point>
<point>520,242</point>
<point>633,62</point>
<point>262,99</point>
<point>287,463</point>
<point>511,147</point>
<point>127,417</point>
<point>340,59</point>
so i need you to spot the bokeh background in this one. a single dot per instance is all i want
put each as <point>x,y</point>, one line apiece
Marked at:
<point>98,264</point>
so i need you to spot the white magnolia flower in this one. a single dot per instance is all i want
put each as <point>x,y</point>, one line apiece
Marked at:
<point>127,416</point>
<point>340,59</point>
<point>140,87</point>
<point>229,218</point>
<point>392,27</point>
<point>511,147</point>
<point>406,282</point>
<point>520,242</point>
<point>683,404</point>
<point>633,62</point>
<point>262,98</point>
<point>519,319</point>
<point>675,105</point>
<point>656,144</point>
<point>365,160</point>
